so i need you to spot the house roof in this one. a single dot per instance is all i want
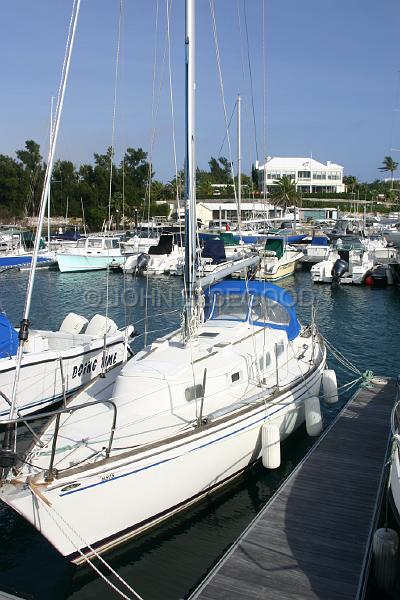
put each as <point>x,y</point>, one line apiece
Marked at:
<point>298,163</point>
<point>214,205</point>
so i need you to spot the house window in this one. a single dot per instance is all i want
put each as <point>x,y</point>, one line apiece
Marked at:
<point>319,175</point>
<point>195,392</point>
<point>290,174</point>
<point>304,175</point>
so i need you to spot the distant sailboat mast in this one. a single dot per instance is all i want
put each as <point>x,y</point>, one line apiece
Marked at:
<point>239,162</point>
<point>190,171</point>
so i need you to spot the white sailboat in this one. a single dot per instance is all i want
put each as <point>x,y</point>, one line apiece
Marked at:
<point>181,418</point>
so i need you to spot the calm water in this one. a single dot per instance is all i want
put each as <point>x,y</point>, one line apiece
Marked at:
<point>170,561</point>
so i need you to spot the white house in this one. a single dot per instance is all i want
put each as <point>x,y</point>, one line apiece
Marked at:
<point>309,175</point>
<point>226,210</point>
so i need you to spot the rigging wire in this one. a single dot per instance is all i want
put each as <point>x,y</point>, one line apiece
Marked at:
<point>24,329</point>
<point>247,117</point>
<point>251,79</point>
<point>112,152</point>
<point>221,84</point>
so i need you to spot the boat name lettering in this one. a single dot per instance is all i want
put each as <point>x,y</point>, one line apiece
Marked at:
<point>109,360</point>
<point>86,367</point>
<point>107,477</point>
<point>90,366</point>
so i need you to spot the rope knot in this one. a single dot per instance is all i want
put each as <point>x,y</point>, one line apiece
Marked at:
<point>367,378</point>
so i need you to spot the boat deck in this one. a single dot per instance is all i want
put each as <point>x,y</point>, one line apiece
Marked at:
<point>312,539</point>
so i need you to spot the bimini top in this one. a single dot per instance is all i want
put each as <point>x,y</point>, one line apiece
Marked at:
<point>257,302</point>
<point>8,338</point>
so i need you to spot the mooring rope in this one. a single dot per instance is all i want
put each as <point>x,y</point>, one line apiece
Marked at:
<point>84,556</point>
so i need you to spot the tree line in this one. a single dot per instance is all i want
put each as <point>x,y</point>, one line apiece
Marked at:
<point>128,187</point>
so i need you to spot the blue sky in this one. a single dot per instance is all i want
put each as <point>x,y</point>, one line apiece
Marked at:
<point>332,79</point>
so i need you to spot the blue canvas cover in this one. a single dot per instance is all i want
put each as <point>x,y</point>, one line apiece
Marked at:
<point>214,249</point>
<point>8,338</point>
<point>319,240</point>
<point>256,290</point>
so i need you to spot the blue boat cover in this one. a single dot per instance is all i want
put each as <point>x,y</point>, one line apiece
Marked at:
<point>8,338</point>
<point>319,240</point>
<point>276,304</point>
<point>214,249</point>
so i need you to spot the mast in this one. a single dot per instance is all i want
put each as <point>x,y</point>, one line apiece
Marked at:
<point>190,168</point>
<point>239,161</point>
<point>48,199</point>
<point>24,326</point>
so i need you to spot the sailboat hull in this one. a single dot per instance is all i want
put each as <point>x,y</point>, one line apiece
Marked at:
<point>153,483</point>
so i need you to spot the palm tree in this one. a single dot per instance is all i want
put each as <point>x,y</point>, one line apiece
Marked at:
<point>389,165</point>
<point>284,193</point>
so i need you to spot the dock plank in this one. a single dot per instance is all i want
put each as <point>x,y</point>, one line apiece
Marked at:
<point>311,539</point>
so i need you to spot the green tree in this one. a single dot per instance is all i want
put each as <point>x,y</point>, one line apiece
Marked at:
<point>33,169</point>
<point>12,190</point>
<point>350,182</point>
<point>254,178</point>
<point>389,165</point>
<point>220,170</point>
<point>284,193</point>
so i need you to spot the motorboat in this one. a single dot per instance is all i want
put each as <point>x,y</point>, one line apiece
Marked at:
<point>354,261</point>
<point>57,363</point>
<point>344,265</point>
<point>159,258</point>
<point>93,253</point>
<point>16,253</point>
<point>392,234</point>
<point>278,259</point>
<point>315,248</point>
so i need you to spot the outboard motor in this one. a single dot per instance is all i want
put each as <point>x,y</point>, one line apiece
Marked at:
<point>142,261</point>
<point>378,275</point>
<point>339,269</point>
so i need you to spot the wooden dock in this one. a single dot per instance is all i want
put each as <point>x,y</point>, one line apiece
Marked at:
<point>312,539</point>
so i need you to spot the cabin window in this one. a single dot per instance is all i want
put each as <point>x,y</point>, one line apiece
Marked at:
<point>235,376</point>
<point>81,244</point>
<point>115,244</point>
<point>94,243</point>
<point>264,362</point>
<point>269,311</point>
<point>280,348</point>
<point>195,392</point>
<point>208,334</point>
<point>234,307</point>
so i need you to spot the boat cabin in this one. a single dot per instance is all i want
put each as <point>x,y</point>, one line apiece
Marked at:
<point>258,303</point>
<point>98,244</point>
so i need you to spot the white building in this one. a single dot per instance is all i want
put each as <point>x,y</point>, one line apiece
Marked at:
<point>226,210</point>
<point>309,175</point>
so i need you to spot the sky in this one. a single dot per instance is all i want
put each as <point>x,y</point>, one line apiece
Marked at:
<point>331,80</point>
